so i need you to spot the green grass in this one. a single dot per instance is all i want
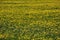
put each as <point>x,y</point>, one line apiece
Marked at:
<point>29,20</point>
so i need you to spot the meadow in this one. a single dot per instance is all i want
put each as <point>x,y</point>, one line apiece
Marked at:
<point>29,20</point>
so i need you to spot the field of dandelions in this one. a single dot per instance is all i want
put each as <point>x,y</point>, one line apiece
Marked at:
<point>29,20</point>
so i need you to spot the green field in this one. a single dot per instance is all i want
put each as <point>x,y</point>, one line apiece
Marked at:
<point>29,19</point>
